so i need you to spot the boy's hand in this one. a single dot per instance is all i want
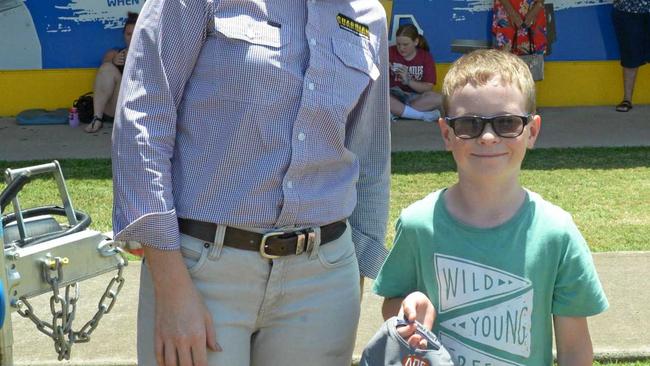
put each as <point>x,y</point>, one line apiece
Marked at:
<point>416,306</point>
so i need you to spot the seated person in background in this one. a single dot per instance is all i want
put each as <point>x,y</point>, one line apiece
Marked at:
<point>108,78</point>
<point>413,74</point>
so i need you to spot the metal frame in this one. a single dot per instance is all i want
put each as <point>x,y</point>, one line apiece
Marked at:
<point>6,334</point>
<point>85,254</point>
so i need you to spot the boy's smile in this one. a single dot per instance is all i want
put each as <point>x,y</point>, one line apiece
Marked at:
<point>489,155</point>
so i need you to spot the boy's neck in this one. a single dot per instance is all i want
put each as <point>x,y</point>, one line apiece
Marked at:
<point>484,205</point>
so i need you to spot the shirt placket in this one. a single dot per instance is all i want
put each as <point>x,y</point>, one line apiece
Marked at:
<point>301,136</point>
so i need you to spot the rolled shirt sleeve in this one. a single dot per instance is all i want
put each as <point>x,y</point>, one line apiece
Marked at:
<point>164,48</point>
<point>368,136</point>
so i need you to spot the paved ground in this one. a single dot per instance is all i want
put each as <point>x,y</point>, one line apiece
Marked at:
<point>561,127</point>
<point>621,332</point>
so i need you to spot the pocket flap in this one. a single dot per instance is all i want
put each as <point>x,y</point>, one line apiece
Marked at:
<point>245,28</point>
<point>356,56</point>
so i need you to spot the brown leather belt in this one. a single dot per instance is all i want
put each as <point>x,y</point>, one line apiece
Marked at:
<point>270,245</point>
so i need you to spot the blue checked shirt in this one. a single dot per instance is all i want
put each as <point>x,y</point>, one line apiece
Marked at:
<point>266,114</point>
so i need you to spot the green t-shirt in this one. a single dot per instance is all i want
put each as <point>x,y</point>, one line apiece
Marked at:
<point>494,289</point>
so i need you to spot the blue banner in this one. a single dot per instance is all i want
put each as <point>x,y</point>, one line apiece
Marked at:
<point>583,27</point>
<point>48,34</point>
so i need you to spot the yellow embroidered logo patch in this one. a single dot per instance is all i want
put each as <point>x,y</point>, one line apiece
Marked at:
<point>353,26</point>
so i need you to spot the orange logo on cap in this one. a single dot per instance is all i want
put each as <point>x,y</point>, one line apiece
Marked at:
<point>413,360</point>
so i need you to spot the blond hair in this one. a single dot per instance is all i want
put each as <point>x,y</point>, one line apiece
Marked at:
<point>480,66</point>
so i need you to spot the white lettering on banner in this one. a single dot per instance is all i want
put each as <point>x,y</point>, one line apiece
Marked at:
<point>122,2</point>
<point>462,282</point>
<point>505,326</point>
<point>464,355</point>
<point>110,13</point>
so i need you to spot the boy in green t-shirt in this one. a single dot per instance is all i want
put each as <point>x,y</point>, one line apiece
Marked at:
<point>496,265</point>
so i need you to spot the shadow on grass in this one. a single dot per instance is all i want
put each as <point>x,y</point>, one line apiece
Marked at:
<point>540,159</point>
<point>422,162</point>
<point>72,168</point>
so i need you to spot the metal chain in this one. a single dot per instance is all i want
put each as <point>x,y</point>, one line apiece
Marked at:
<point>60,330</point>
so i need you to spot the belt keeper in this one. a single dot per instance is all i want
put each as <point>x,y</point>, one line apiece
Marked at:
<point>312,248</point>
<point>217,247</point>
<point>311,238</point>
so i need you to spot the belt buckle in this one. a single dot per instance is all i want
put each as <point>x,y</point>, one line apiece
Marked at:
<point>265,237</point>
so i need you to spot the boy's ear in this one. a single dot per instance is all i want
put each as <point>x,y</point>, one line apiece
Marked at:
<point>533,130</point>
<point>445,132</point>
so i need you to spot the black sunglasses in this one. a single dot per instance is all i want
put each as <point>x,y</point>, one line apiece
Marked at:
<point>471,127</point>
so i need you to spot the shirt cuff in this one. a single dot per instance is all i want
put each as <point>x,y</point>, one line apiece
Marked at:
<point>370,254</point>
<point>156,230</point>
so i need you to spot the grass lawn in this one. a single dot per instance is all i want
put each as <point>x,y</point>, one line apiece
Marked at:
<point>606,189</point>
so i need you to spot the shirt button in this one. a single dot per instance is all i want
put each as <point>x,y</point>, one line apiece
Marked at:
<point>301,136</point>
<point>312,41</point>
<point>310,86</point>
<point>290,184</point>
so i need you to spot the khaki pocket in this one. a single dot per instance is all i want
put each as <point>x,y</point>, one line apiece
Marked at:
<point>338,252</point>
<point>194,252</point>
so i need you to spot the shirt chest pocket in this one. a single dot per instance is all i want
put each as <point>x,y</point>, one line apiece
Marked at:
<point>355,67</point>
<point>252,31</point>
<point>245,53</point>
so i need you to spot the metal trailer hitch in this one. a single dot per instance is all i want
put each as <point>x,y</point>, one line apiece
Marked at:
<point>42,255</point>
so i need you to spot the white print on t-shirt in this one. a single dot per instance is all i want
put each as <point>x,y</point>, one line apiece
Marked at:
<point>463,355</point>
<point>462,282</point>
<point>416,72</point>
<point>505,326</point>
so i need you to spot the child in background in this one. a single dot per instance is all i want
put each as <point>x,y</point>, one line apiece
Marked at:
<point>412,76</point>
<point>495,264</point>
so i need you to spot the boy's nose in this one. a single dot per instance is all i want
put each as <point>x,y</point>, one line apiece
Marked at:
<point>488,135</point>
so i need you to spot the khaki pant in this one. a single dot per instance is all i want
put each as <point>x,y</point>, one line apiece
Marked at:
<point>294,310</point>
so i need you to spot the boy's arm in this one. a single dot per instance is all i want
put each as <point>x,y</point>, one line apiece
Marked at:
<point>573,341</point>
<point>391,307</point>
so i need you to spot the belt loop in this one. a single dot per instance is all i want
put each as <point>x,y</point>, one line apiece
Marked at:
<point>312,247</point>
<point>217,247</point>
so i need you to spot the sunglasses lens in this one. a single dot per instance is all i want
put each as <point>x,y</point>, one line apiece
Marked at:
<point>508,126</point>
<point>467,127</point>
